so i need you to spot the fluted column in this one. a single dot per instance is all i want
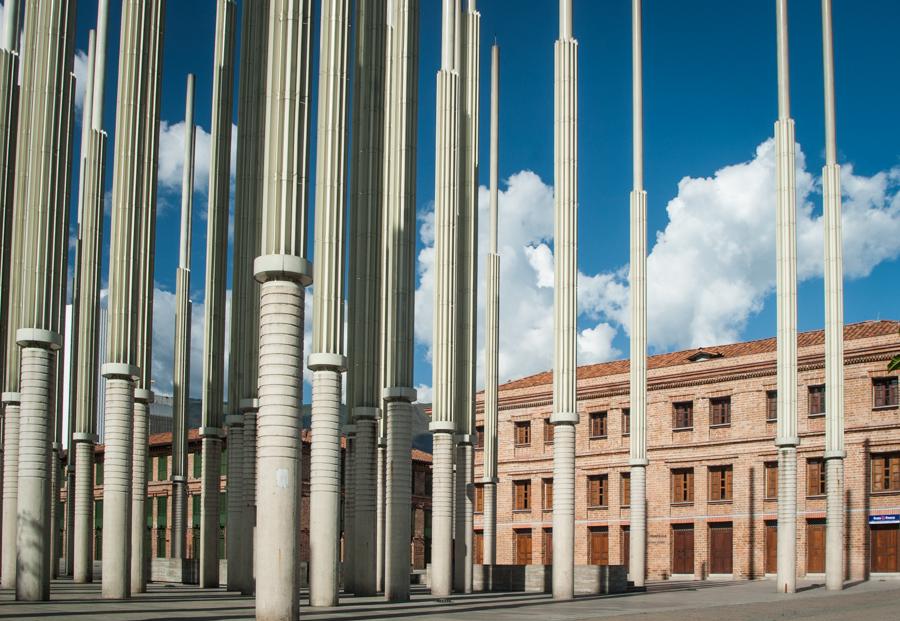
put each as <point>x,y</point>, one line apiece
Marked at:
<point>12,405</point>
<point>235,530</point>
<point>834,326</point>
<point>284,273</point>
<point>245,291</point>
<point>181,369</point>
<point>446,205</point>
<point>9,282</point>
<point>327,360</point>
<point>467,249</point>
<point>786,293</point>
<point>565,412</point>
<point>364,291</point>
<point>121,368</point>
<point>398,252</point>
<point>638,293</point>
<point>86,309</point>
<point>492,330</point>
<point>214,324</point>
<point>381,458</point>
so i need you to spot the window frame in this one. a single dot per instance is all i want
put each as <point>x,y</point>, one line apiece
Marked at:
<point>549,432</point>
<point>772,406</point>
<point>676,407</point>
<point>891,463</point>
<point>724,404</point>
<point>626,421</point>
<point>686,487</point>
<point>525,426</point>
<point>625,489</point>
<point>725,486</point>
<point>770,493</point>
<point>545,485</point>
<point>815,467</point>
<point>479,437</point>
<point>891,385</point>
<point>602,492</point>
<point>601,417</point>
<point>525,485</point>
<point>814,389</point>
<point>478,498</point>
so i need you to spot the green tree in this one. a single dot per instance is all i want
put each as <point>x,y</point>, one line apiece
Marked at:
<point>894,364</point>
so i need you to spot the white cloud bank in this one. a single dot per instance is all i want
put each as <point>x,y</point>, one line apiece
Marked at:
<point>171,156</point>
<point>709,270</point>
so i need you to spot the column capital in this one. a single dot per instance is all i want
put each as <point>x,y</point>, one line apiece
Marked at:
<point>142,395</point>
<point>837,454</point>
<point>349,429</point>
<point>465,439</point>
<point>490,480</point>
<point>326,362</point>
<point>11,398</point>
<point>442,426</point>
<point>249,405</point>
<point>366,413</point>
<point>283,267</point>
<point>234,420</point>
<point>213,433</point>
<point>399,393</point>
<point>36,337</point>
<point>120,370</point>
<point>638,463</point>
<point>564,418</point>
<point>80,436</point>
<point>787,442</point>
<point>178,478</point>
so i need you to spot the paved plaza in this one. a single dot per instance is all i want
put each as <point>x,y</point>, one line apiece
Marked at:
<point>696,601</point>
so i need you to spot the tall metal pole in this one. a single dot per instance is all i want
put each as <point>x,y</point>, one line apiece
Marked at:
<point>492,330</point>
<point>121,370</point>
<point>399,241</point>
<point>11,223</point>
<point>181,372</point>
<point>834,327</point>
<point>786,293</point>
<point>284,272</point>
<point>245,291</point>
<point>446,205</point>
<point>214,324</point>
<point>638,292</point>
<point>467,301</point>
<point>327,360</point>
<point>47,93</point>
<point>364,292</point>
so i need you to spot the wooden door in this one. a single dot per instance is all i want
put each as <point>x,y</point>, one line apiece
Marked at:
<point>771,548</point>
<point>884,548</point>
<point>478,544</point>
<point>523,547</point>
<point>548,546</point>
<point>815,548</point>
<point>599,548</point>
<point>720,549</point>
<point>683,550</point>
<point>626,548</point>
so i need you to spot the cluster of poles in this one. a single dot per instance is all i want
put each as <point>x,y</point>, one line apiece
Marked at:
<point>271,272</point>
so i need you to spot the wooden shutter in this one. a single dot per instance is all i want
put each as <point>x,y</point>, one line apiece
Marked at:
<point>878,473</point>
<point>626,490</point>
<point>593,491</point>
<point>548,431</point>
<point>729,474</point>
<point>715,484</point>
<point>519,495</point>
<point>479,499</point>
<point>772,480</point>
<point>548,494</point>
<point>814,478</point>
<point>626,421</point>
<point>771,405</point>
<point>548,546</point>
<point>894,482</point>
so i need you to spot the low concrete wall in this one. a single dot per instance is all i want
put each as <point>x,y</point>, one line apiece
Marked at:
<point>589,579</point>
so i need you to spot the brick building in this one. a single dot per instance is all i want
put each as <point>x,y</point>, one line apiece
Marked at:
<point>159,505</point>
<point>711,482</point>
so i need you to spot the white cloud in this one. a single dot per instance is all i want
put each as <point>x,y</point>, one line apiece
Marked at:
<point>80,69</point>
<point>526,284</point>
<point>171,156</point>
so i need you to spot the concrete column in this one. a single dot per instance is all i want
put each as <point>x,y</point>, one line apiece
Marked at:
<point>381,462</point>
<point>786,294</point>
<point>348,520</point>
<point>447,200</point>
<point>242,376</point>
<point>467,300</point>
<point>327,360</point>
<point>638,292</point>
<point>492,330</point>
<point>565,307</point>
<point>11,402</point>
<point>140,555</point>
<point>214,325</point>
<point>364,304</point>
<point>181,376</point>
<point>127,218</point>
<point>236,529</point>
<point>284,272</point>
<point>398,477</point>
<point>834,327</point>
<point>47,92</point>
<point>83,554</point>
<point>144,299</point>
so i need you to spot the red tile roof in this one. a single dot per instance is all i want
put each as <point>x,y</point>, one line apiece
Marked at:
<point>852,332</point>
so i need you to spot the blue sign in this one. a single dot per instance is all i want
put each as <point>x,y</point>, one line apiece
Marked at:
<point>884,519</point>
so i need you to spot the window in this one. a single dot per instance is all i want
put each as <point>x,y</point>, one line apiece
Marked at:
<point>523,433</point>
<point>886,472</point>
<point>684,415</point>
<point>98,473</point>
<point>771,469</point>
<point>884,392</point>
<point>720,483</point>
<point>547,488</point>
<point>161,506</point>
<point>198,464</point>
<point>522,495</point>
<point>771,405</point>
<point>479,437</point>
<point>549,429</point>
<point>626,489</point>
<point>626,421</point>
<point>598,490</point>
<point>162,468</point>
<point>720,411</point>
<point>479,498</point>
<point>598,424</point>
<point>683,486</point>
<point>817,400</point>
<point>815,477</point>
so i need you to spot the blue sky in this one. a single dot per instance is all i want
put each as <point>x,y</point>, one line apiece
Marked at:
<point>710,104</point>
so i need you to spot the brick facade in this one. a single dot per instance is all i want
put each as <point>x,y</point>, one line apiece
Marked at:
<point>728,459</point>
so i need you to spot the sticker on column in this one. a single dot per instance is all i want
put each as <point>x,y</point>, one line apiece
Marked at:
<point>281,478</point>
